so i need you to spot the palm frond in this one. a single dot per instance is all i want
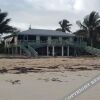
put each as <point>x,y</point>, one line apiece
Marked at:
<point>5,22</point>
<point>4,27</point>
<point>90,24</point>
<point>65,25</point>
<point>2,17</point>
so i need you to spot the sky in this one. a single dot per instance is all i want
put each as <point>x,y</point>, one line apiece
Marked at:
<point>46,14</point>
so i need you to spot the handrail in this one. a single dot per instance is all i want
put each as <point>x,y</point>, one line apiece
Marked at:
<point>54,42</point>
<point>33,51</point>
<point>83,45</point>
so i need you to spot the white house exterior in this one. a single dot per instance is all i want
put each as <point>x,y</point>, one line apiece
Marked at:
<point>40,42</point>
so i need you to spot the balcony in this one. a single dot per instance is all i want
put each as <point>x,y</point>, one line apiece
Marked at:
<point>53,42</point>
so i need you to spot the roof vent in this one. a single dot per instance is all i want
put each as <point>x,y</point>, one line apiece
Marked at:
<point>30,27</point>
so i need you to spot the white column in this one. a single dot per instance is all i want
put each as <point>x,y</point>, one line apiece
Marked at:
<point>60,39</point>
<point>49,40</point>
<point>20,51</point>
<point>70,39</point>
<point>68,51</point>
<point>8,50</point>
<point>47,51</point>
<point>16,50</point>
<point>27,38</point>
<point>12,50</point>
<point>62,51</point>
<point>53,51</point>
<point>75,54</point>
<point>38,39</point>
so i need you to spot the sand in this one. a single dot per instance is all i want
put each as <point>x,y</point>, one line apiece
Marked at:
<point>47,78</point>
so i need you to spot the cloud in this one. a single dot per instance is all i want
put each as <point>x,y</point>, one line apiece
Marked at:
<point>47,13</point>
<point>53,5</point>
<point>78,5</point>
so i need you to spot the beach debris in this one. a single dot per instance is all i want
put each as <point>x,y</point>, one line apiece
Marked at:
<point>14,82</point>
<point>96,68</point>
<point>56,80</point>
<point>45,79</point>
<point>77,68</point>
<point>83,68</point>
<point>54,67</point>
<point>3,70</point>
<point>25,70</point>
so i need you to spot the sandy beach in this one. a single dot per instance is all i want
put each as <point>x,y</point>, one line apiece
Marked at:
<point>47,78</point>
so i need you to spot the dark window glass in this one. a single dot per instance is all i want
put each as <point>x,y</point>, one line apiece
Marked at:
<point>31,37</point>
<point>20,37</point>
<point>75,39</point>
<point>43,38</point>
<point>25,37</point>
<point>55,38</point>
<point>65,38</point>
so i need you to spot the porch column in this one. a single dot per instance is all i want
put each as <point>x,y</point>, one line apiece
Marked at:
<point>49,40</point>
<point>60,40</point>
<point>68,51</point>
<point>7,50</point>
<point>38,39</point>
<point>62,50</point>
<point>16,50</point>
<point>53,51</point>
<point>47,51</point>
<point>12,50</point>
<point>75,54</point>
<point>20,51</point>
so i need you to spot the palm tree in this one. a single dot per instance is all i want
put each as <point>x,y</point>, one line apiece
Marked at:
<point>65,26</point>
<point>90,26</point>
<point>4,27</point>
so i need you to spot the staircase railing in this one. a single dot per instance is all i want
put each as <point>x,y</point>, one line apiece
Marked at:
<point>83,45</point>
<point>33,52</point>
<point>25,49</point>
<point>92,50</point>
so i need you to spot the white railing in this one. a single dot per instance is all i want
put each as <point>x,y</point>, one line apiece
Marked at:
<point>53,42</point>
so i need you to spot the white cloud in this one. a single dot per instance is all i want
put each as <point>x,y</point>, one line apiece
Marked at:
<point>47,13</point>
<point>53,5</point>
<point>79,5</point>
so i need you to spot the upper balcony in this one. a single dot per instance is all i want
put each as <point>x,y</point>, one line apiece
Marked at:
<point>54,42</point>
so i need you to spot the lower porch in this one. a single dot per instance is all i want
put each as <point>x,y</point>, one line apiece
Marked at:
<point>44,51</point>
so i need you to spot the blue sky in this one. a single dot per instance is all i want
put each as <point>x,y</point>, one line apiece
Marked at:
<point>47,13</point>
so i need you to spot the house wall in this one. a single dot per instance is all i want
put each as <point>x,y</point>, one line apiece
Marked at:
<point>50,49</point>
<point>49,39</point>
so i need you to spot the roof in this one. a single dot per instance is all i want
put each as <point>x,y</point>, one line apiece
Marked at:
<point>43,32</point>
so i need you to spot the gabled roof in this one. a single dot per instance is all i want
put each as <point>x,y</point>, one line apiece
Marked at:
<point>43,32</point>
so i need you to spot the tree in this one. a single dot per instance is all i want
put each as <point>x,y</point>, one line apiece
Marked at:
<point>65,26</point>
<point>90,26</point>
<point>59,29</point>
<point>4,27</point>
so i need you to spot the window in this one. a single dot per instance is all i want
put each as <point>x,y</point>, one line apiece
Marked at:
<point>31,37</point>
<point>25,37</point>
<point>20,37</point>
<point>65,38</point>
<point>43,38</point>
<point>55,38</point>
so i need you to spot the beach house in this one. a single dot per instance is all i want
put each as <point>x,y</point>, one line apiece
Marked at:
<point>41,42</point>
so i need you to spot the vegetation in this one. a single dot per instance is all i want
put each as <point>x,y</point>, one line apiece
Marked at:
<point>4,21</point>
<point>5,28</point>
<point>65,26</point>
<point>90,27</point>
